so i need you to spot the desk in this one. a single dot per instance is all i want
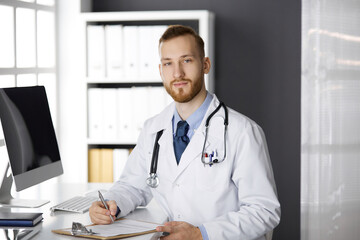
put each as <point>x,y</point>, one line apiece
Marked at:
<point>57,193</point>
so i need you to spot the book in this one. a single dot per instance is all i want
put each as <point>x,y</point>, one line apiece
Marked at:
<point>19,219</point>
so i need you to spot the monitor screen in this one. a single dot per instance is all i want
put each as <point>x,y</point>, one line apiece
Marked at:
<point>29,135</point>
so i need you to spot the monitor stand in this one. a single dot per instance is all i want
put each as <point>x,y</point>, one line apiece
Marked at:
<point>6,200</point>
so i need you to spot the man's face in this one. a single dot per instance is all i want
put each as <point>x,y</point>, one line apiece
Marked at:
<point>181,68</point>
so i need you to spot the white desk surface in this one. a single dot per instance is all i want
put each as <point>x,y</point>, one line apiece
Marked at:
<point>57,193</point>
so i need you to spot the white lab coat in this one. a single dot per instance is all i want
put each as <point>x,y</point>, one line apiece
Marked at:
<point>235,199</point>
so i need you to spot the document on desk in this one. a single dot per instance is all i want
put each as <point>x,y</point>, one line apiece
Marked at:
<point>121,228</point>
<point>126,226</point>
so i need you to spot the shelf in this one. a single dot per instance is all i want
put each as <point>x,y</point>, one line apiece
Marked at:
<point>140,101</point>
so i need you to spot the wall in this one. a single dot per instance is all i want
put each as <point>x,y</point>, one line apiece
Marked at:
<point>72,113</point>
<point>257,73</point>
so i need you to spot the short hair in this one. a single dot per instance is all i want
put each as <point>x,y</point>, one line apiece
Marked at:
<point>174,31</point>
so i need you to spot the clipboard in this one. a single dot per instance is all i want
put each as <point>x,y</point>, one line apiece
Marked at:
<point>67,231</point>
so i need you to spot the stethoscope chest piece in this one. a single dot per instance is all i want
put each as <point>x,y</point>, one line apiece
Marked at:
<point>152,180</point>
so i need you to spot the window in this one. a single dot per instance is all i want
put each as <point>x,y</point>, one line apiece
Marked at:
<point>28,46</point>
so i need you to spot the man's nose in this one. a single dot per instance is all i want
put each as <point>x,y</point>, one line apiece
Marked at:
<point>178,71</point>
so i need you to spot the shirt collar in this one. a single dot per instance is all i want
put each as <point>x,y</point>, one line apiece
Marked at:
<point>194,120</point>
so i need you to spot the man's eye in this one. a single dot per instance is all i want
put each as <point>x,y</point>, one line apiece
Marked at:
<point>187,60</point>
<point>167,64</point>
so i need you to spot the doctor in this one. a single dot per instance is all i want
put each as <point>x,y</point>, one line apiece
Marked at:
<point>232,199</point>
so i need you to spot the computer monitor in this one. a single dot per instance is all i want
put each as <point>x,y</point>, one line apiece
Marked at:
<point>30,140</point>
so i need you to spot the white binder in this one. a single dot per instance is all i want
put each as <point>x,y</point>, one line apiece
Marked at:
<point>156,102</point>
<point>95,104</point>
<point>131,53</point>
<point>140,109</point>
<point>149,55</point>
<point>114,51</point>
<point>109,113</point>
<point>155,58</point>
<point>120,159</point>
<point>96,51</point>
<point>124,114</point>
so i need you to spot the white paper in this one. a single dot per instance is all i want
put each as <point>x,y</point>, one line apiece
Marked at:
<point>125,226</point>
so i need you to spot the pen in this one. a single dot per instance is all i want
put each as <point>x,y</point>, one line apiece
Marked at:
<point>106,206</point>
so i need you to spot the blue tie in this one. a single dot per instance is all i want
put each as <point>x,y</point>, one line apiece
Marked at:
<point>181,140</point>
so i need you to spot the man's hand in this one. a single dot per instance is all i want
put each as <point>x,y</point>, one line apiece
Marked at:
<point>98,213</point>
<point>180,230</point>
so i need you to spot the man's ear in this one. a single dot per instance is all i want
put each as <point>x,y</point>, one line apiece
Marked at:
<point>206,65</point>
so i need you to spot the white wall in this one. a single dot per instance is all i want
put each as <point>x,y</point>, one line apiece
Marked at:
<point>71,85</point>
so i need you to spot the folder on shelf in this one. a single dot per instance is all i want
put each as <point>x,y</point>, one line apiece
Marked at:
<point>109,113</point>
<point>94,165</point>
<point>146,45</point>
<point>96,51</point>
<point>100,165</point>
<point>140,109</point>
<point>131,53</point>
<point>121,228</point>
<point>155,58</point>
<point>148,52</point>
<point>120,159</point>
<point>114,51</point>
<point>95,113</point>
<point>156,100</point>
<point>106,165</point>
<point>124,114</point>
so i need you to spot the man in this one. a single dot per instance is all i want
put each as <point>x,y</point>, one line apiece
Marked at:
<point>233,199</point>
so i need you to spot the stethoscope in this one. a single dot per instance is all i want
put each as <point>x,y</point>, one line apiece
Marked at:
<point>206,159</point>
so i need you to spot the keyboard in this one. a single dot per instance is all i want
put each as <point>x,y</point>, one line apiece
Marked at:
<point>76,204</point>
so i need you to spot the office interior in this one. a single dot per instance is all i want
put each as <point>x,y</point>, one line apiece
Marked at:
<point>292,66</point>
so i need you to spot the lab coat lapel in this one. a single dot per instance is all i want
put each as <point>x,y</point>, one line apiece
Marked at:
<point>168,163</point>
<point>194,149</point>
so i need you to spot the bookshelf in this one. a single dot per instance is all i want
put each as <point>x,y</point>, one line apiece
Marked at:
<point>123,86</point>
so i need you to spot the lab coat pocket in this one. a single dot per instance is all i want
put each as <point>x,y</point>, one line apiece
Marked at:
<point>210,178</point>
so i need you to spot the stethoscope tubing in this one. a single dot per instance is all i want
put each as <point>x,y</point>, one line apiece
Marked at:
<point>207,124</point>
<point>153,180</point>
<point>155,156</point>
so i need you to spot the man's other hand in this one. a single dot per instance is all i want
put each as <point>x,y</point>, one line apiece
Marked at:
<point>179,230</point>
